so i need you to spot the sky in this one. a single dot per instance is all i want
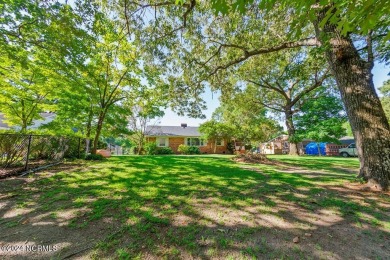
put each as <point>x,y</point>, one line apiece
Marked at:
<point>170,118</point>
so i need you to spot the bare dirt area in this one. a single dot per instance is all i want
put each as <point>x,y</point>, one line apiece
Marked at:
<point>271,213</point>
<point>31,232</point>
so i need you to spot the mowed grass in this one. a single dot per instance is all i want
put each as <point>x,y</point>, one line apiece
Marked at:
<point>211,207</point>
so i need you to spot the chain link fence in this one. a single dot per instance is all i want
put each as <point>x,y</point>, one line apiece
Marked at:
<point>20,153</point>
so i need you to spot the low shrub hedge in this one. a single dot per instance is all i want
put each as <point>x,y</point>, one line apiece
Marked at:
<point>164,150</point>
<point>185,149</point>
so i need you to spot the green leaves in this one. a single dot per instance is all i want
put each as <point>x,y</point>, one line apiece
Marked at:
<point>385,91</point>
<point>321,119</point>
<point>73,59</point>
<point>359,17</point>
<point>212,130</point>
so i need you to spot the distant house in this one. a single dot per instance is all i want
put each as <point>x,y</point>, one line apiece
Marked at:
<point>173,136</point>
<point>280,145</point>
<point>46,118</point>
<point>3,126</point>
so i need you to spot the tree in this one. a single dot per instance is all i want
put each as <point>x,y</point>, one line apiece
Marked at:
<point>29,85</point>
<point>214,131</point>
<point>293,80</point>
<point>327,26</point>
<point>321,119</point>
<point>82,51</point>
<point>246,117</point>
<point>143,111</point>
<point>336,25</point>
<point>26,91</point>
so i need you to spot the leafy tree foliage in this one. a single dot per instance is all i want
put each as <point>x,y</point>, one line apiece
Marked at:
<point>145,112</point>
<point>75,59</point>
<point>294,78</point>
<point>28,84</point>
<point>385,91</point>
<point>247,117</point>
<point>213,131</point>
<point>321,119</point>
<point>27,91</point>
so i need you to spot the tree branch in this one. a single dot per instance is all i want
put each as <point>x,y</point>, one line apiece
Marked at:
<point>370,53</point>
<point>315,85</point>
<point>267,106</point>
<point>189,7</point>
<point>247,54</point>
<point>269,86</point>
<point>110,98</point>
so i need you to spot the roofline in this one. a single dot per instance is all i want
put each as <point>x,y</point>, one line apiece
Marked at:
<point>173,136</point>
<point>170,126</point>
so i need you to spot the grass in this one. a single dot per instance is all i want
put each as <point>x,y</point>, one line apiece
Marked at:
<point>208,206</point>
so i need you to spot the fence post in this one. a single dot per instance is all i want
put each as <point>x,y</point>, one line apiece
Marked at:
<point>78,148</point>
<point>28,152</point>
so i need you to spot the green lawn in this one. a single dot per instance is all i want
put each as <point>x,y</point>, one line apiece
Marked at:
<point>206,207</point>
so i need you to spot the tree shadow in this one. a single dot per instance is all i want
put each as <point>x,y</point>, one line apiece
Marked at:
<point>191,207</point>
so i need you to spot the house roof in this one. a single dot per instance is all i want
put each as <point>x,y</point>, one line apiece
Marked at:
<point>2,124</point>
<point>347,140</point>
<point>172,131</point>
<point>47,117</point>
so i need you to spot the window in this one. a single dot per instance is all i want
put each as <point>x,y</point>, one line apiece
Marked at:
<point>161,142</point>
<point>195,142</point>
<point>219,142</point>
<point>352,145</point>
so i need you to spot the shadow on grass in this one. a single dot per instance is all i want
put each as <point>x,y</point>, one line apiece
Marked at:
<point>330,163</point>
<point>202,207</point>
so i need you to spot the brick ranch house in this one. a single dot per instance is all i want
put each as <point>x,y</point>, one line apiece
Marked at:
<point>173,136</point>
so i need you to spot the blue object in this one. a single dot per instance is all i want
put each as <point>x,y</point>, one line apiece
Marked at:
<point>312,149</point>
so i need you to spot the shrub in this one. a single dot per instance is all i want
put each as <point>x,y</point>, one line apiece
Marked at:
<point>164,150</point>
<point>150,148</point>
<point>94,157</point>
<point>72,151</point>
<point>185,149</point>
<point>11,149</point>
<point>230,147</point>
<point>193,150</point>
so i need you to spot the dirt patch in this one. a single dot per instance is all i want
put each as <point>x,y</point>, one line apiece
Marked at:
<point>29,232</point>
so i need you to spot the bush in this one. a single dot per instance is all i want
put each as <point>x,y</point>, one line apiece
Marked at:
<point>94,157</point>
<point>150,148</point>
<point>185,149</point>
<point>164,150</point>
<point>193,150</point>
<point>230,147</point>
<point>72,151</point>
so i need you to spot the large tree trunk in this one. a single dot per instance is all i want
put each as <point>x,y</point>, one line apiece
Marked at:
<point>89,129</point>
<point>98,131</point>
<point>291,132</point>
<point>24,126</point>
<point>368,121</point>
<point>319,149</point>
<point>140,145</point>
